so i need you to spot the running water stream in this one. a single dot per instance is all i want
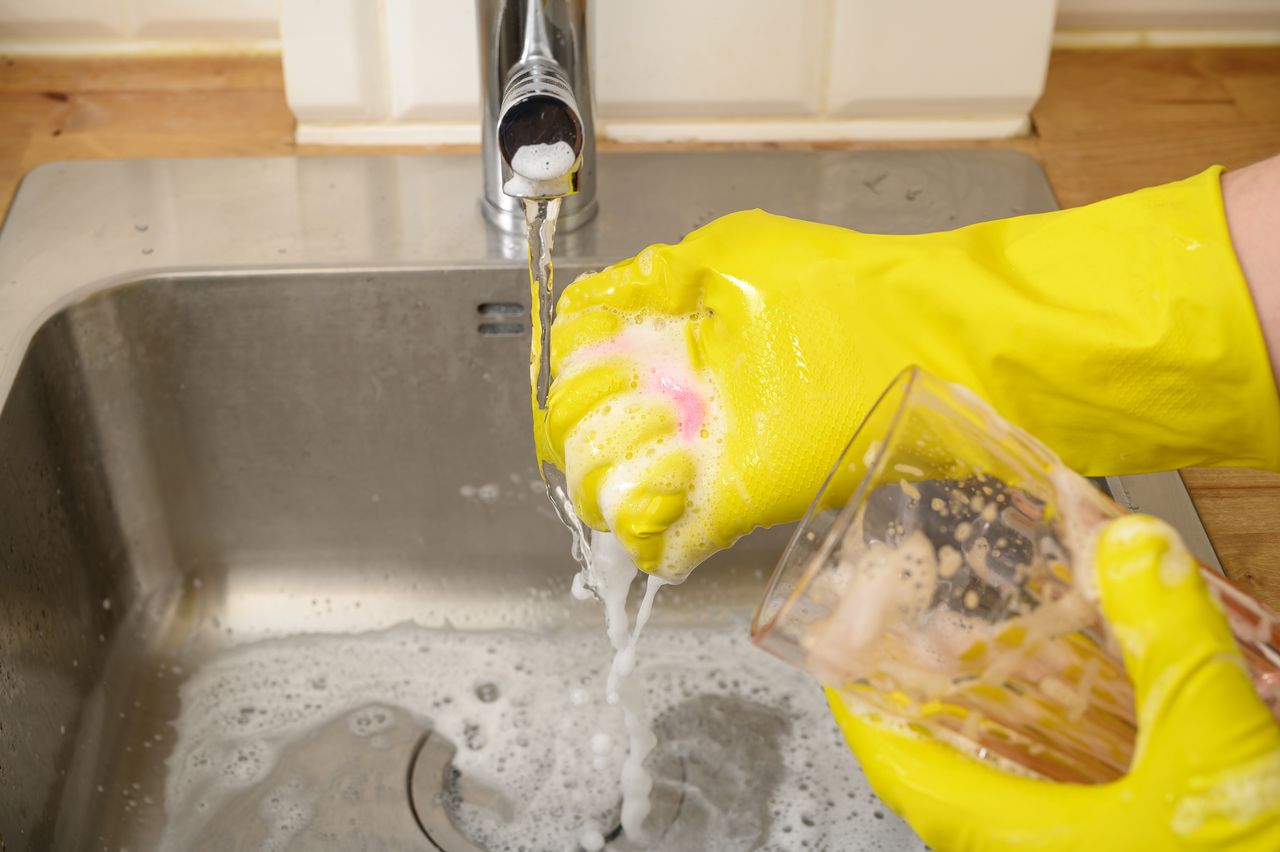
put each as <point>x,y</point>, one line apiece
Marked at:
<point>606,571</point>
<point>540,215</point>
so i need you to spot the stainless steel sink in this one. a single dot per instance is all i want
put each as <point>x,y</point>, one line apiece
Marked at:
<point>246,399</point>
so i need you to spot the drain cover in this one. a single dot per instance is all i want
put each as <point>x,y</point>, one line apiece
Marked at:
<point>716,767</point>
<point>432,781</point>
<point>437,789</point>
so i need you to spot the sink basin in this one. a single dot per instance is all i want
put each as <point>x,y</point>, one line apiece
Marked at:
<point>255,399</point>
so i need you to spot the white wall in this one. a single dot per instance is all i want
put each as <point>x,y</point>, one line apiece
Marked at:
<point>77,26</point>
<point>406,70</point>
<point>73,23</point>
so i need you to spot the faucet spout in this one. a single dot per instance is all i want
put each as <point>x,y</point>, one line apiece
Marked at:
<point>538,134</point>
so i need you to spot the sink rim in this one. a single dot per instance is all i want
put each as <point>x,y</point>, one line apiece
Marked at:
<point>78,227</point>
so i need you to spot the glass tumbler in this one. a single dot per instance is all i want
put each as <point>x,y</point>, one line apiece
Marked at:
<point>942,581</point>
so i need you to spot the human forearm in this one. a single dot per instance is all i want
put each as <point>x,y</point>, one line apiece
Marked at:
<point>1251,197</point>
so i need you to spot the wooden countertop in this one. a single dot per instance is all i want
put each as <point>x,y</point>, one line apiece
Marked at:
<point>1110,121</point>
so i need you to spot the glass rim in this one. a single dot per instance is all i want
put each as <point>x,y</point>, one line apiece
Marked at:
<point>761,625</point>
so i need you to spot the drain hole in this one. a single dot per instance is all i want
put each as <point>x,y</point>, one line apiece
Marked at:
<point>500,309</point>
<point>433,781</point>
<point>502,329</point>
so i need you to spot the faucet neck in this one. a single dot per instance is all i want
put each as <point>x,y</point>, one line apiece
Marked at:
<point>520,39</point>
<point>537,42</point>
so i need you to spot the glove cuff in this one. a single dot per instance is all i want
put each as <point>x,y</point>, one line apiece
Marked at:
<point>1140,323</point>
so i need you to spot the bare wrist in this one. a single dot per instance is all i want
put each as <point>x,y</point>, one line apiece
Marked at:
<point>1252,199</point>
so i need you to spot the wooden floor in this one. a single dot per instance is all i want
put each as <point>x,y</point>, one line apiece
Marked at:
<point>1110,121</point>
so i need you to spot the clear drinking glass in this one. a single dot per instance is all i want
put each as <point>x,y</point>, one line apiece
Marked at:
<point>941,579</point>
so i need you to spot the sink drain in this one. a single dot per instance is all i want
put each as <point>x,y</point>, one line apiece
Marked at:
<point>717,765</point>
<point>437,788</point>
<point>432,781</point>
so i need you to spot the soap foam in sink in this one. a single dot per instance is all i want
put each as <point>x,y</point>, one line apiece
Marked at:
<point>523,710</point>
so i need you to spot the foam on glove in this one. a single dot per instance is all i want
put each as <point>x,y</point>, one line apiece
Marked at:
<point>644,436</point>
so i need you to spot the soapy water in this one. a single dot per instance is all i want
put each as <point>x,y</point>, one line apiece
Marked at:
<point>624,430</point>
<point>608,576</point>
<point>746,754</point>
<point>609,572</point>
<point>629,430</point>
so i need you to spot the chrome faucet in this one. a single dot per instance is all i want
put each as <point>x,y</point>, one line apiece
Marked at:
<point>536,91</point>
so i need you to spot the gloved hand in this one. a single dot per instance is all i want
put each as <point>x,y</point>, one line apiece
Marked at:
<point>1206,770</point>
<point>1121,334</point>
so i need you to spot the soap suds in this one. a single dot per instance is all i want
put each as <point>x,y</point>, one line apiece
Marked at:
<point>631,430</point>
<point>540,171</point>
<point>542,162</point>
<point>246,711</point>
<point>610,574</point>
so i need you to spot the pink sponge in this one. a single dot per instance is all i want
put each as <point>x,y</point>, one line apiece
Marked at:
<point>690,407</point>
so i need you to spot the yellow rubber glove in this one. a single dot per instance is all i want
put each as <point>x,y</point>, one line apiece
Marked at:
<point>1122,334</point>
<point>1206,770</point>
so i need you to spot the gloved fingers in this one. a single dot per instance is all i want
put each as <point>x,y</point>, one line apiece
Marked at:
<point>626,428</point>
<point>573,396</point>
<point>651,505</point>
<point>1194,695</point>
<point>659,280</point>
<point>572,334</point>
<point>956,802</point>
<point>1158,606</point>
